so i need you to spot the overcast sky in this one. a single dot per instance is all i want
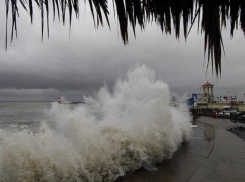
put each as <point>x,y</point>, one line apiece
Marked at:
<point>33,69</point>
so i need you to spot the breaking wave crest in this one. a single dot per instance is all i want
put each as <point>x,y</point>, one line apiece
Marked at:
<point>109,136</point>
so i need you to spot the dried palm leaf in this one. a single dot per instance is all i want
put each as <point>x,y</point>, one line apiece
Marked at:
<point>214,15</point>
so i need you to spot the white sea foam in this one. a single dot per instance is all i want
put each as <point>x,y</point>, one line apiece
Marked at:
<point>110,135</point>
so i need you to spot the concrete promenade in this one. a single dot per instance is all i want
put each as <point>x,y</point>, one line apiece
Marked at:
<point>212,155</point>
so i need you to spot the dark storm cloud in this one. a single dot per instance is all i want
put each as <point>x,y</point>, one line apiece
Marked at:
<point>82,63</point>
<point>31,81</point>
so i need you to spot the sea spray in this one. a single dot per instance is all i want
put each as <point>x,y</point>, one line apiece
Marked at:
<point>109,136</point>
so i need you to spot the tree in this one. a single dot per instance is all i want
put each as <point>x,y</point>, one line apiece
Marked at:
<point>214,14</point>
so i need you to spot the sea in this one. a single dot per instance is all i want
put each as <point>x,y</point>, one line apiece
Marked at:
<point>19,116</point>
<point>112,134</point>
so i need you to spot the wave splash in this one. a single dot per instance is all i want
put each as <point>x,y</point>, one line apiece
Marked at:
<point>109,136</point>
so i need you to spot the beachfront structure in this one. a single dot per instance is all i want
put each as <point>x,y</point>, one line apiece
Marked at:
<point>208,92</point>
<point>208,100</point>
<point>226,99</point>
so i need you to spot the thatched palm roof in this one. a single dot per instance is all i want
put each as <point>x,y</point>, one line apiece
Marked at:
<point>213,13</point>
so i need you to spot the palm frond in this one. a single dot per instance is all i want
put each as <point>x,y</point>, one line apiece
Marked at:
<point>214,13</point>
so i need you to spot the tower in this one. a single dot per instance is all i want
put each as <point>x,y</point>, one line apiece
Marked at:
<point>208,92</point>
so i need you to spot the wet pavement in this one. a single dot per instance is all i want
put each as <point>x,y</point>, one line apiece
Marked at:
<point>213,154</point>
